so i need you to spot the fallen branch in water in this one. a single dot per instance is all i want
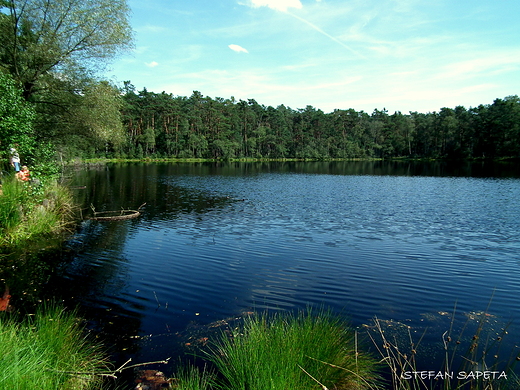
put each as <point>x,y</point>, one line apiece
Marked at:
<point>110,374</point>
<point>120,369</point>
<point>123,214</point>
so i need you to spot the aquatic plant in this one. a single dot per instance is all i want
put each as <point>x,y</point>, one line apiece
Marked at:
<point>191,378</point>
<point>285,351</point>
<point>48,351</point>
<point>471,362</point>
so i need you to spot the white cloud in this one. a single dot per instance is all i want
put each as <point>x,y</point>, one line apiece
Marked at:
<point>152,64</point>
<point>279,5</point>
<point>492,63</point>
<point>151,28</point>
<point>237,48</point>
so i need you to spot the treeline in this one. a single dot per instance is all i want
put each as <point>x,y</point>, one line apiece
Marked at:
<point>160,125</point>
<point>53,106</point>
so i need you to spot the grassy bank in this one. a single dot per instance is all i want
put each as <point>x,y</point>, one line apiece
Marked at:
<point>29,210</point>
<point>310,350</point>
<point>48,351</point>
<point>262,159</point>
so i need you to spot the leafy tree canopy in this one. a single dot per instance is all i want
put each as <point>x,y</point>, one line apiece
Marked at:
<point>16,117</point>
<point>45,41</point>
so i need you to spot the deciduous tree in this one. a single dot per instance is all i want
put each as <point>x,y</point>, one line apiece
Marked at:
<point>44,40</point>
<point>16,118</point>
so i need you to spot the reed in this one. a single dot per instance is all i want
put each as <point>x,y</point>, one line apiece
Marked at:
<point>191,378</point>
<point>48,351</point>
<point>472,361</point>
<point>309,350</point>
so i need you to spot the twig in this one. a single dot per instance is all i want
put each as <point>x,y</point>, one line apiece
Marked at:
<point>113,373</point>
<point>314,379</point>
<point>157,300</point>
<point>124,364</point>
<point>142,364</point>
<point>341,368</point>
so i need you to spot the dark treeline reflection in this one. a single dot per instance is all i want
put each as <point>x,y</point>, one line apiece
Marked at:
<point>130,186</point>
<point>77,274</point>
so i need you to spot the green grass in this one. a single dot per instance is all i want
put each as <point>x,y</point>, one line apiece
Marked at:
<point>310,350</point>
<point>29,211</point>
<point>191,378</point>
<point>48,351</point>
<point>10,210</point>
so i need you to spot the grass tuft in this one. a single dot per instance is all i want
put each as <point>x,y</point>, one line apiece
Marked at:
<point>191,378</point>
<point>310,350</point>
<point>48,351</point>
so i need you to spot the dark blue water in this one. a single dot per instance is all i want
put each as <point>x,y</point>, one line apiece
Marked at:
<point>407,244</point>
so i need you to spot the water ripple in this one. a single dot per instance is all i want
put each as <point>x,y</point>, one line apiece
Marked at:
<point>390,246</point>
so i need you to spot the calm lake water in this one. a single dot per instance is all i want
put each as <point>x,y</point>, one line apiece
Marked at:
<point>404,242</point>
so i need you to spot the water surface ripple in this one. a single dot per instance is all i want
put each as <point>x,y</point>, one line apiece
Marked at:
<point>211,245</point>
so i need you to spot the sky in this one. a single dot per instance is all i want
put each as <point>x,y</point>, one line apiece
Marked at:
<point>399,55</point>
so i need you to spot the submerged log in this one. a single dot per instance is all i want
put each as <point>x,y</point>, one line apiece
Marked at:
<point>115,215</point>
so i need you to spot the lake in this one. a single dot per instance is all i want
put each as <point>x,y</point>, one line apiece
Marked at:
<point>424,247</point>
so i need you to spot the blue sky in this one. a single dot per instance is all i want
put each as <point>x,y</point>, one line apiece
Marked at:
<point>402,55</point>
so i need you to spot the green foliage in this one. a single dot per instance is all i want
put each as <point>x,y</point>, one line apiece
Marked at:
<point>44,42</point>
<point>48,352</point>
<point>294,352</point>
<point>16,117</point>
<point>98,113</point>
<point>10,209</point>
<point>190,378</point>
<point>52,50</point>
<point>44,165</point>
<point>90,123</point>
<point>201,127</point>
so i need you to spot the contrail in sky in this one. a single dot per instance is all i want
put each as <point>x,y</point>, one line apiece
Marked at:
<point>324,33</point>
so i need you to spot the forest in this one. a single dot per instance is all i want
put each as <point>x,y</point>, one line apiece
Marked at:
<point>55,105</point>
<point>161,125</point>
